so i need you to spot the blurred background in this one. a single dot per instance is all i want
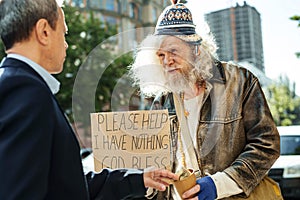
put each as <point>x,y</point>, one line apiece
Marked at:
<point>262,36</point>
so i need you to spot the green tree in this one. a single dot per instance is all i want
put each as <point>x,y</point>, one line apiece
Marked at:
<point>90,49</point>
<point>85,32</point>
<point>284,104</point>
<point>296,18</point>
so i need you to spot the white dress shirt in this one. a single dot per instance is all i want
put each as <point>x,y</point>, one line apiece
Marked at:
<point>52,83</point>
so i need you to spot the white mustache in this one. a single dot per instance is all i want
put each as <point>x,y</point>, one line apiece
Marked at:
<point>169,69</point>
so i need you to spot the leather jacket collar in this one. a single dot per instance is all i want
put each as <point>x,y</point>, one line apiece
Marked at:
<point>218,72</point>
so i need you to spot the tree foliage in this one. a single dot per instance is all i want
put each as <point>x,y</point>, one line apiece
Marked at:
<point>80,44</point>
<point>296,18</point>
<point>85,32</point>
<point>284,104</point>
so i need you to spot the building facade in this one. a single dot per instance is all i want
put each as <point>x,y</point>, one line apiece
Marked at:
<point>126,15</point>
<point>238,34</point>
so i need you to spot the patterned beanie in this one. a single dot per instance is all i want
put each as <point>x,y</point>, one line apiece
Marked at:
<point>176,20</point>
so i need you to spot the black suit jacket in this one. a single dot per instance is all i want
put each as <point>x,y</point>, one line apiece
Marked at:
<point>39,152</point>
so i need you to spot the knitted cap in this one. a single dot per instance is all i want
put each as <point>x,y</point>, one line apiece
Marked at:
<point>176,20</point>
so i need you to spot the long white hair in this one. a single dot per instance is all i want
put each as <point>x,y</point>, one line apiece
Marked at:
<point>148,74</point>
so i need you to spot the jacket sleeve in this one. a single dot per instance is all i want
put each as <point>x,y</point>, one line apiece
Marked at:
<point>263,143</point>
<point>25,138</point>
<point>116,184</point>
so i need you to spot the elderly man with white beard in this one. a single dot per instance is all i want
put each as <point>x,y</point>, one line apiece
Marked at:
<point>221,125</point>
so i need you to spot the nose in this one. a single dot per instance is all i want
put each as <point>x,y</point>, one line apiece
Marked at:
<point>66,45</point>
<point>168,59</point>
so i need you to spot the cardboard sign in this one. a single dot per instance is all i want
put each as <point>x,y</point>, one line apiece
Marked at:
<point>133,139</point>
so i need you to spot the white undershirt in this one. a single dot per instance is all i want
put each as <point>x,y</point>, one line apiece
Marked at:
<point>192,106</point>
<point>225,185</point>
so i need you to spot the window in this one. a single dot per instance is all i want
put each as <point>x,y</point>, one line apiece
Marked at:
<point>95,4</point>
<point>290,145</point>
<point>110,5</point>
<point>119,6</point>
<point>134,11</point>
<point>111,20</point>
<point>154,14</point>
<point>124,6</point>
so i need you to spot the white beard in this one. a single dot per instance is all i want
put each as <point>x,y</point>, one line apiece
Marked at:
<point>178,82</point>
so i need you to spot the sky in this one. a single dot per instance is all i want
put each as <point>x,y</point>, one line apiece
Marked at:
<point>281,36</point>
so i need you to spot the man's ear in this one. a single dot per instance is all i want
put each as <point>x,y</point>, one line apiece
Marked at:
<point>43,31</point>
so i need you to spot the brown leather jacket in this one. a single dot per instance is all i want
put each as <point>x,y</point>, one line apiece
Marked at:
<point>236,132</point>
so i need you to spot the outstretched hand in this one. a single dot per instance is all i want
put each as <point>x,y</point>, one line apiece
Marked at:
<point>158,178</point>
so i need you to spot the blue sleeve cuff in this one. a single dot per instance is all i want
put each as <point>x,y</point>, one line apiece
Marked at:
<point>208,189</point>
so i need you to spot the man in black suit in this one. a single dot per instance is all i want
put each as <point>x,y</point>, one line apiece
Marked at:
<point>39,153</point>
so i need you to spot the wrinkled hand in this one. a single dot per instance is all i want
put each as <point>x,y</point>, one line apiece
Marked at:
<point>205,189</point>
<point>158,178</point>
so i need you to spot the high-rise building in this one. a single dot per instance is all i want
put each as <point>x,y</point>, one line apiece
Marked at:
<point>126,14</point>
<point>237,31</point>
